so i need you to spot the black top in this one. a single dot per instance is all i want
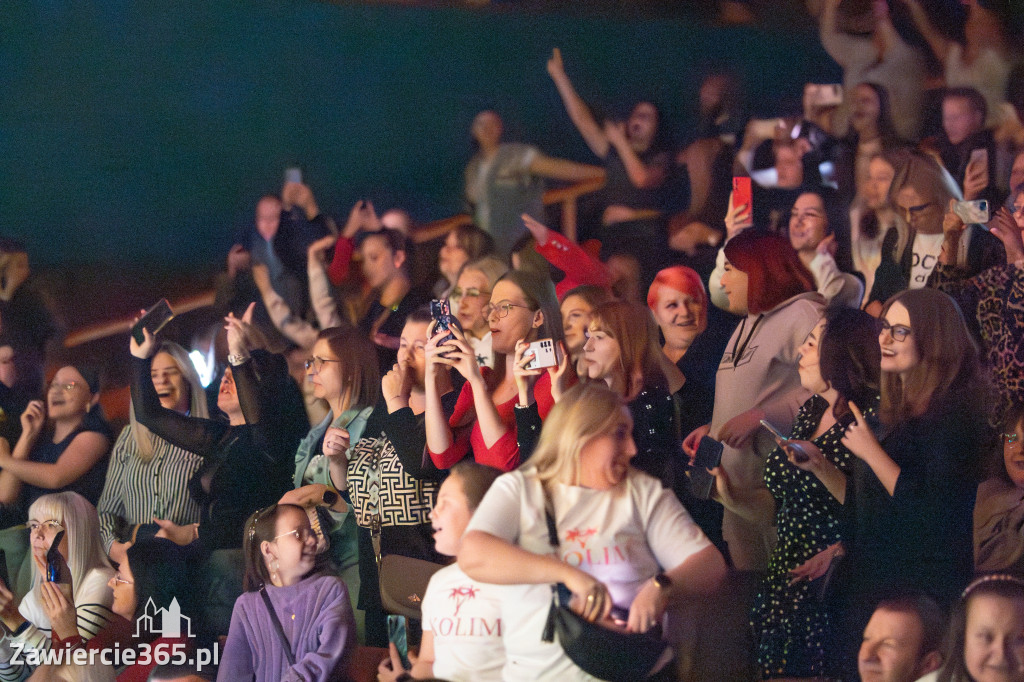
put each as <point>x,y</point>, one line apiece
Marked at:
<point>388,333</point>
<point>90,484</point>
<point>245,467</point>
<point>920,538</point>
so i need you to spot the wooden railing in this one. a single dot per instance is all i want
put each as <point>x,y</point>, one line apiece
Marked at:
<point>566,196</point>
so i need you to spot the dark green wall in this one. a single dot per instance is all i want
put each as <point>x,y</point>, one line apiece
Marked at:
<point>146,130</point>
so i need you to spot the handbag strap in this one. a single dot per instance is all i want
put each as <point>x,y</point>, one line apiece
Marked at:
<point>277,626</point>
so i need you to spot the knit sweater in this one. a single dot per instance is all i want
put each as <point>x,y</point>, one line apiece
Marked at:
<point>317,621</point>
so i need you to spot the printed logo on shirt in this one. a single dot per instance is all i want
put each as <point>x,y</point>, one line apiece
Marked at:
<point>461,594</point>
<point>727,358</point>
<point>580,536</point>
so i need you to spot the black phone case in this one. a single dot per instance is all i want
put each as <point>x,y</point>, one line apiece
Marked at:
<point>709,455</point>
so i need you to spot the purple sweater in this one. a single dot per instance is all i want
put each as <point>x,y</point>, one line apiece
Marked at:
<point>317,620</point>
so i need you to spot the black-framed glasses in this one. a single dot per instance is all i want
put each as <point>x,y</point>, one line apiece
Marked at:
<point>316,364</point>
<point>471,292</point>
<point>898,332</point>
<point>502,308</point>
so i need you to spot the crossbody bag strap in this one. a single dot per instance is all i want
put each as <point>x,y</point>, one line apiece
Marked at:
<point>277,626</point>
<point>548,635</point>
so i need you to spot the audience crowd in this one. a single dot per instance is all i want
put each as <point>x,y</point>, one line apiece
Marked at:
<point>769,409</point>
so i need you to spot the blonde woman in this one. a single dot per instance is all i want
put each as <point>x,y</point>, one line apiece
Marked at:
<point>147,480</point>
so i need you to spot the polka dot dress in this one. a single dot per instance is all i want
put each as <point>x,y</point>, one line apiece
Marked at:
<point>790,626</point>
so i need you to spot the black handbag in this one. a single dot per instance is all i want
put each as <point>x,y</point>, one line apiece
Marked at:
<point>604,653</point>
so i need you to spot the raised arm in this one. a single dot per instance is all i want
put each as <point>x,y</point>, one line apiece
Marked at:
<point>938,43</point>
<point>577,109</point>
<point>641,175</point>
<point>31,424</point>
<point>201,436</point>
<point>563,169</point>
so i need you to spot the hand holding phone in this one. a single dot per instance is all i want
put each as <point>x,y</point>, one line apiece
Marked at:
<point>799,454</point>
<point>397,635</point>
<point>708,456</point>
<point>153,320</point>
<point>57,569</point>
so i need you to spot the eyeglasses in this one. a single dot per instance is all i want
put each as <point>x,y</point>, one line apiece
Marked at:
<point>119,579</point>
<point>898,332</point>
<point>502,309</point>
<point>49,527</point>
<point>471,292</point>
<point>301,534</point>
<point>67,388</point>
<point>316,364</point>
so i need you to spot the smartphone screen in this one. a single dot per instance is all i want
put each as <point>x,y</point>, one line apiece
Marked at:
<point>741,192</point>
<point>398,636</point>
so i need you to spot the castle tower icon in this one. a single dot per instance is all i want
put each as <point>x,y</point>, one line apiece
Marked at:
<point>164,622</point>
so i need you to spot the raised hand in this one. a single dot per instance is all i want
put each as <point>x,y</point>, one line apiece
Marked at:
<point>146,348</point>
<point>33,418</point>
<point>1005,228</point>
<point>555,65</point>
<point>536,228</point>
<point>737,218</point>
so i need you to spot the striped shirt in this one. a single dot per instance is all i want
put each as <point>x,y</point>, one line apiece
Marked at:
<point>136,492</point>
<point>93,613</point>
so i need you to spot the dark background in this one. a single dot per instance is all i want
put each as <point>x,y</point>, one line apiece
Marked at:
<point>138,135</point>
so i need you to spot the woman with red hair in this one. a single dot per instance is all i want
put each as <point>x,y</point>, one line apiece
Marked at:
<point>765,281</point>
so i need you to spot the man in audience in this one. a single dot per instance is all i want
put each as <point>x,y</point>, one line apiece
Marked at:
<point>966,147</point>
<point>901,641</point>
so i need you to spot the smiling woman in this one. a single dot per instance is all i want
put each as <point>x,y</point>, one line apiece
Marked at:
<point>581,473</point>
<point>63,445</point>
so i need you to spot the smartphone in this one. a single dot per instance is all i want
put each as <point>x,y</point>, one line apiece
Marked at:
<point>799,454</point>
<point>979,155</point>
<point>441,311</point>
<point>775,432</point>
<point>57,569</point>
<point>543,354</point>
<point>972,212</point>
<point>153,319</point>
<point>293,174</point>
<point>825,95</point>
<point>741,192</point>
<point>709,455</point>
<point>398,636</point>
<point>765,128</point>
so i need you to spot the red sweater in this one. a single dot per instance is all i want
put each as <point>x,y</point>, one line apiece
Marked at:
<point>504,454</point>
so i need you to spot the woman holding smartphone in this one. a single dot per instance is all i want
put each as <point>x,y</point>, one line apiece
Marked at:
<point>522,307</point>
<point>839,363</point>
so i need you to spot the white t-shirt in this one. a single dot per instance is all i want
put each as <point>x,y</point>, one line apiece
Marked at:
<point>622,537</point>
<point>465,617</point>
<point>927,248</point>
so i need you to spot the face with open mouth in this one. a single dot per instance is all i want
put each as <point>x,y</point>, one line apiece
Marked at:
<point>450,516</point>
<point>68,396</point>
<point>170,384</point>
<point>604,459</point>
<point>807,222</point>
<point>897,355</point>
